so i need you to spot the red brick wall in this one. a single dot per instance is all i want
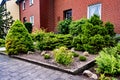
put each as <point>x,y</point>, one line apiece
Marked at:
<point>110,10</point>
<point>33,10</point>
<point>47,14</point>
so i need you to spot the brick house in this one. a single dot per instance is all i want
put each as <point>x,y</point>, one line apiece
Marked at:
<point>47,13</point>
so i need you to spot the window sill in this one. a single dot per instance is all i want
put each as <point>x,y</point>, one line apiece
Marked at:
<point>31,5</point>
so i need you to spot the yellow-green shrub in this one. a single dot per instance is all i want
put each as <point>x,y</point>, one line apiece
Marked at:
<point>18,40</point>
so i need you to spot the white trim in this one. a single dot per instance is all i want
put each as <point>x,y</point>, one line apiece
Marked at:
<point>23,5</point>
<point>88,10</point>
<point>32,20</point>
<point>31,2</point>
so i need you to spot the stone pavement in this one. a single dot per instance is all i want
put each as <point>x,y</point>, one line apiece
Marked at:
<point>2,49</point>
<point>13,69</point>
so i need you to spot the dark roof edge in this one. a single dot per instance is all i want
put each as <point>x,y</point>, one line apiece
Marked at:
<point>18,1</point>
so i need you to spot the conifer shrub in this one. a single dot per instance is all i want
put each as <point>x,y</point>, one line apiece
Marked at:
<point>28,26</point>
<point>50,40</point>
<point>2,42</point>
<point>92,34</point>
<point>63,26</point>
<point>18,39</point>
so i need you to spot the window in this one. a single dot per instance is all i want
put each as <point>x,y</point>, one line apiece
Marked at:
<point>94,9</point>
<point>68,14</point>
<point>24,20</point>
<point>23,5</point>
<point>32,20</point>
<point>31,2</point>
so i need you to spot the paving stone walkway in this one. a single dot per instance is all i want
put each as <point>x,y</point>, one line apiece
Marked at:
<point>13,69</point>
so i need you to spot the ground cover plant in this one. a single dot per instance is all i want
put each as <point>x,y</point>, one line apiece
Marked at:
<point>18,40</point>
<point>109,61</point>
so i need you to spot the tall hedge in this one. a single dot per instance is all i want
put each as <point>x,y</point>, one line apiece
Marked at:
<point>18,39</point>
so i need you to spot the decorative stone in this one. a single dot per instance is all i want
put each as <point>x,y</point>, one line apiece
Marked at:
<point>38,51</point>
<point>30,52</point>
<point>43,52</point>
<point>86,53</point>
<point>90,74</point>
<point>72,50</point>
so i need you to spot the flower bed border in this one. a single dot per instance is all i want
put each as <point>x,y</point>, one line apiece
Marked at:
<point>78,70</point>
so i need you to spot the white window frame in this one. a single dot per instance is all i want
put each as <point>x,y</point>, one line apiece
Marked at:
<point>32,20</point>
<point>23,5</point>
<point>31,2</point>
<point>94,5</point>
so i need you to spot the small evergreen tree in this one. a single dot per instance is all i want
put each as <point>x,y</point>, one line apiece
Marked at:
<point>18,39</point>
<point>5,21</point>
<point>28,26</point>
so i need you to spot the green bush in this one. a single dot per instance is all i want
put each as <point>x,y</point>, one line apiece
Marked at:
<point>18,40</point>
<point>103,77</point>
<point>75,54</point>
<point>46,56</point>
<point>95,20</point>
<point>28,26</point>
<point>75,26</point>
<point>50,41</point>
<point>82,58</point>
<point>2,42</point>
<point>63,56</point>
<point>110,28</point>
<point>92,35</point>
<point>108,61</point>
<point>38,35</point>
<point>63,26</point>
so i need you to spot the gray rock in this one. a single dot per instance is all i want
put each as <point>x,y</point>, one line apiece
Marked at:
<point>30,52</point>
<point>72,50</point>
<point>38,51</point>
<point>43,52</point>
<point>86,53</point>
<point>90,74</point>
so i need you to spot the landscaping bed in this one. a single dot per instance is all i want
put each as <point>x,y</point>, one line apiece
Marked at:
<point>74,68</point>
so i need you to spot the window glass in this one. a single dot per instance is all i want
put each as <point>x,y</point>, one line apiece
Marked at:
<point>94,9</point>
<point>23,5</point>
<point>32,20</point>
<point>67,14</point>
<point>31,2</point>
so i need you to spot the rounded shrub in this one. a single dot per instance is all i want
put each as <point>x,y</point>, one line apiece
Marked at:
<point>75,54</point>
<point>18,40</point>
<point>63,56</point>
<point>82,58</point>
<point>28,26</point>
<point>46,56</point>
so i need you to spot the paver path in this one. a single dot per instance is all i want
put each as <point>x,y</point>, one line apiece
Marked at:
<point>13,69</point>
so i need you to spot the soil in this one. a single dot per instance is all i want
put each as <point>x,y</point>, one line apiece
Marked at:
<point>75,64</point>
